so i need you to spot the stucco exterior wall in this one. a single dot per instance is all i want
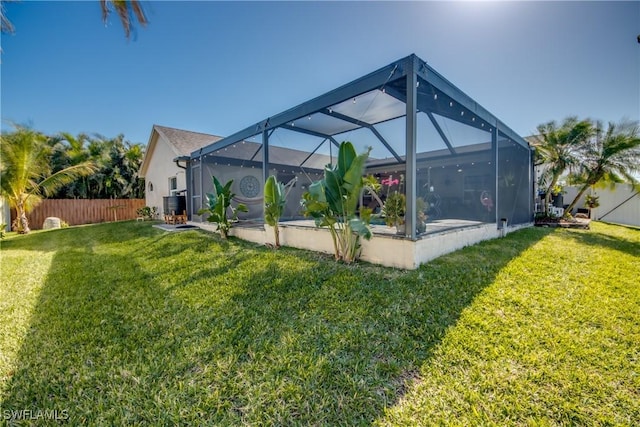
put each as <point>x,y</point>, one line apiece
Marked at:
<point>390,251</point>
<point>161,168</point>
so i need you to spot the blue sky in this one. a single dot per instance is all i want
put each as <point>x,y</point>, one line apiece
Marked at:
<point>218,67</point>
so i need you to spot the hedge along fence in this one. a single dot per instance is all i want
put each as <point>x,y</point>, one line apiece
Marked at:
<point>83,211</point>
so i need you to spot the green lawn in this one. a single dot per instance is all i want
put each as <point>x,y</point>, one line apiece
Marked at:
<point>122,324</point>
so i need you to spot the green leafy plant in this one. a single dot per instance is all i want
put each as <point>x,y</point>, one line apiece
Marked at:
<point>333,202</point>
<point>275,199</point>
<point>394,209</point>
<point>3,226</point>
<point>148,213</point>
<point>373,187</point>
<point>591,201</point>
<point>421,207</point>
<point>557,189</point>
<point>218,204</point>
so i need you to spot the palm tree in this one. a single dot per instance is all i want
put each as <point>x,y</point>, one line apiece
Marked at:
<point>613,157</point>
<point>118,163</point>
<point>133,161</point>
<point>558,147</point>
<point>69,150</point>
<point>25,172</point>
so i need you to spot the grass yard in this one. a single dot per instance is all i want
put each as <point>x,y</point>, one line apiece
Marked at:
<point>123,324</point>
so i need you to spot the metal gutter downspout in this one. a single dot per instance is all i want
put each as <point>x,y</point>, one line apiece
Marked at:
<point>181,159</point>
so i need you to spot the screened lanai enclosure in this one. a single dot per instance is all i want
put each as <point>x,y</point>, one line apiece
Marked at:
<point>456,163</point>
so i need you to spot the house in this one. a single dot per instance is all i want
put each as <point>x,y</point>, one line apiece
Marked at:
<point>163,166</point>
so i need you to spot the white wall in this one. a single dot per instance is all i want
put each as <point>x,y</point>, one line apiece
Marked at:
<point>5,213</point>
<point>161,167</point>
<point>389,251</point>
<point>628,213</point>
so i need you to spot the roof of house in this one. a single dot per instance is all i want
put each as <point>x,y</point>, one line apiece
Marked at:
<point>185,142</point>
<point>182,142</point>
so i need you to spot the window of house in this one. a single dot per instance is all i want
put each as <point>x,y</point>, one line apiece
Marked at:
<point>173,184</point>
<point>150,187</point>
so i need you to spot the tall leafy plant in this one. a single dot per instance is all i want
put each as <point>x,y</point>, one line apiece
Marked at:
<point>333,203</point>
<point>275,199</point>
<point>217,206</point>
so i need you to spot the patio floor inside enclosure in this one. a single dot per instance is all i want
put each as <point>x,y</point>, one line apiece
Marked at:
<point>455,162</point>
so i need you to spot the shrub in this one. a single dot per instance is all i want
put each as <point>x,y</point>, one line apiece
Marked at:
<point>147,212</point>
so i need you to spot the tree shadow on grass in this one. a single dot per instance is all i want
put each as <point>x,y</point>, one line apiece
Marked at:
<point>595,238</point>
<point>126,336</point>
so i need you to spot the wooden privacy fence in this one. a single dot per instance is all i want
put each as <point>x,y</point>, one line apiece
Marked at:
<point>83,211</point>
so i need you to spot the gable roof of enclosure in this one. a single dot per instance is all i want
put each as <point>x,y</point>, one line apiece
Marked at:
<point>335,113</point>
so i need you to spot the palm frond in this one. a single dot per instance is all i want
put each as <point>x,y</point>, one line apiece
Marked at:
<point>53,182</point>
<point>125,9</point>
<point>6,27</point>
